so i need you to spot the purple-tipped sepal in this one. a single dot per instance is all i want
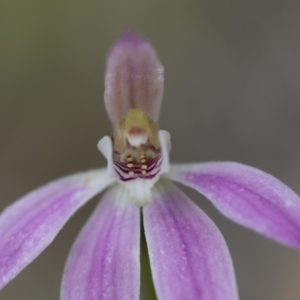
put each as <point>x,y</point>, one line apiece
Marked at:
<point>188,256</point>
<point>134,78</point>
<point>104,261</point>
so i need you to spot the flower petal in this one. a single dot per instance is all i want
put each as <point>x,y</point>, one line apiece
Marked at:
<point>104,261</point>
<point>188,255</point>
<point>134,78</point>
<point>247,196</point>
<point>29,225</point>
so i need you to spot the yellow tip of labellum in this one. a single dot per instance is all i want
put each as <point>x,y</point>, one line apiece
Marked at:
<point>136,128</point>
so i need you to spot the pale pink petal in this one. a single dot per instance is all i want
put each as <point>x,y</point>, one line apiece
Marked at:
<point>29,225</point>
<point>247,196</point>
<point>188,255</point>
<point>134,78</point>
<point>104,261</point>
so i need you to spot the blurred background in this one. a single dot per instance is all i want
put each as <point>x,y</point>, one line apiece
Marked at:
<point>232,71</point>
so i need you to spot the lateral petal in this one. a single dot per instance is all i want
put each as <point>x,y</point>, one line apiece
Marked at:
<point>30,224</point>
<point>248,196</point>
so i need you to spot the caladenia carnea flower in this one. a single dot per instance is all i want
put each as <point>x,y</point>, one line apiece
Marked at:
<point>188,255</point>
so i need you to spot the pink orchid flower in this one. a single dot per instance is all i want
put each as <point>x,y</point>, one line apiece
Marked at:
<point>188,255</point>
